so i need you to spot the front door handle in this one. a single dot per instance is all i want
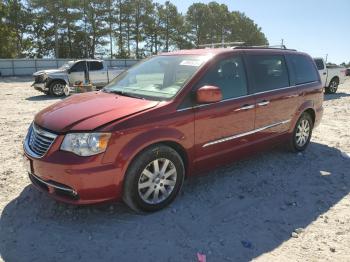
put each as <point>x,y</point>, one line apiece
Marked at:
<point>263,103</point>
<point>245,107</point>
<point>324,73</point>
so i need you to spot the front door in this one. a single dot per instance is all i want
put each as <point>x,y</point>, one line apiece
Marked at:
<point>76,73</point>
<point>223,127</point>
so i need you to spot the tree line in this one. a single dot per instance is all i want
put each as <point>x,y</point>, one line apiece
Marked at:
<point>347,65</point>
<point>116,28</point>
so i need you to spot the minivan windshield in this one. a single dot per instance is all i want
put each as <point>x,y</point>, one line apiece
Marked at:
<point>158,78</point>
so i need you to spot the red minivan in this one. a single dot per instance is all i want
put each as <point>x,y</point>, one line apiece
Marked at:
<point>172,116</point>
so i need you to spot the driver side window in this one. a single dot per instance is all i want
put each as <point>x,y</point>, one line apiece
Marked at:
<point>78,67</point>
<point>229,75</point>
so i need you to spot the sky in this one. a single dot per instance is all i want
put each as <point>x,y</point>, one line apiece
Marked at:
<point>317,27</point>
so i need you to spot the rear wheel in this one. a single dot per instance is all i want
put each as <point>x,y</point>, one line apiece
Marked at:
<point>57,88</point>
<point>333,86</point>
<point>153,179</point>
<point>302,133</point>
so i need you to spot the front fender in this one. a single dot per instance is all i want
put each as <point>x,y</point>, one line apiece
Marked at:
<point>136,144</point>
<point>144,140</point>
<point>56,77</point>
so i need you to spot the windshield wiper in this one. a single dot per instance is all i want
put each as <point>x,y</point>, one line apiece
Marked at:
<point>118,92</point>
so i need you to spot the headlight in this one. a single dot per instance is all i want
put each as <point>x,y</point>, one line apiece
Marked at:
<point>85,144</point>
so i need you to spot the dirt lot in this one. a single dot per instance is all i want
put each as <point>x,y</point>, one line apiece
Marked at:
<point>276,206</point>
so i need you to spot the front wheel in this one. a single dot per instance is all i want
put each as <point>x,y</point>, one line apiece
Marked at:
<point>57,88</point>
<point>332,87</point>
<point>302,133</point>
<point>153,179</point>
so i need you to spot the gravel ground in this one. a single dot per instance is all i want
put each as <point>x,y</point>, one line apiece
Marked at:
<point>275,206</point>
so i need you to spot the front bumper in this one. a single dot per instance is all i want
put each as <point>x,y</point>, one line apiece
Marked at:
<point>40,87</point>
<point>73,179</point>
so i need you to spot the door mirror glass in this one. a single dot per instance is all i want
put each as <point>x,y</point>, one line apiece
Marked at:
<point>208,94</point>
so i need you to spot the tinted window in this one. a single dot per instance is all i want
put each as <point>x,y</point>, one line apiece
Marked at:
<point>229,75</point>
<point>78,67</point>
<point>94,66</point>
<point>304,69</point>
<point>269,72</point>
<point>319,64</point>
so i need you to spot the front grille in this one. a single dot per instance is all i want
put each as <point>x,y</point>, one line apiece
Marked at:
<point>38,141</point>
<point>39,79</point>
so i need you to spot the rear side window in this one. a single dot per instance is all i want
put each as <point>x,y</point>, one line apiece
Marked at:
<point>94,66</point>
<point>304,69</point>
<point>229,75</point>
<point>319,63</point>
<point>268,72</point>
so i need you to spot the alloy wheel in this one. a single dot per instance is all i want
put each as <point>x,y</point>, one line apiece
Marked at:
<point>303,133</point>
<point>157,181</point>
<point>333,86</point>
<point>58,89</point>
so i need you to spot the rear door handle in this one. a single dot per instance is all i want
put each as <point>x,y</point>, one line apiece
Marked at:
<point>324,73</point>
<point>263,103</point>
<point>245,107</point>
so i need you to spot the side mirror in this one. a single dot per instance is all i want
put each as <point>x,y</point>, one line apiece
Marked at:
<point>68,71</point>
<point>208,94</point>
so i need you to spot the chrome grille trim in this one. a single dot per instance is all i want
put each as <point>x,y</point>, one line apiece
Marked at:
<point>38,141</point>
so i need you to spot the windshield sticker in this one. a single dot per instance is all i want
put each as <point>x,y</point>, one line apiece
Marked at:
<point>191,62</point>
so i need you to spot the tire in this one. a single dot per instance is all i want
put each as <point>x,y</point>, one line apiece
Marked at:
<point>333,86</point>
<point>302,133</point>
<point>142,181</point>
<point>57,88</point>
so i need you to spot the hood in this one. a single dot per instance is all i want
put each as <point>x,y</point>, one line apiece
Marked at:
<point>88,111</point>
<point>48,71</point>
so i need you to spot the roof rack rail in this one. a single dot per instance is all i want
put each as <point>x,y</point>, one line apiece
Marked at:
<point>264,47</point>
<point>223,44</point>
<point>242,45</point>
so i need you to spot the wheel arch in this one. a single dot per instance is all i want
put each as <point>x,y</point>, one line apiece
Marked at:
<point>307,106</point>
<point>54,80</point>
<point>172,138</point>
<point>312,113</point>
<point>170,143</point>
<point>334,78</point>
<point>180,150</point>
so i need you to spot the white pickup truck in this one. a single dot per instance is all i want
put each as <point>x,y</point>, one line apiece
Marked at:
<point>331,76</point>
<point>56,81</point>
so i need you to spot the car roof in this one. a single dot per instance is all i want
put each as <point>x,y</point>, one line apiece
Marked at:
<point>216,51</point>
<point>88,60</point>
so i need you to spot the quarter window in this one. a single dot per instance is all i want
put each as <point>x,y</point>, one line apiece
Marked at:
<point>229,76</point>
<point>305,70</point>
<point>269,72</point>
